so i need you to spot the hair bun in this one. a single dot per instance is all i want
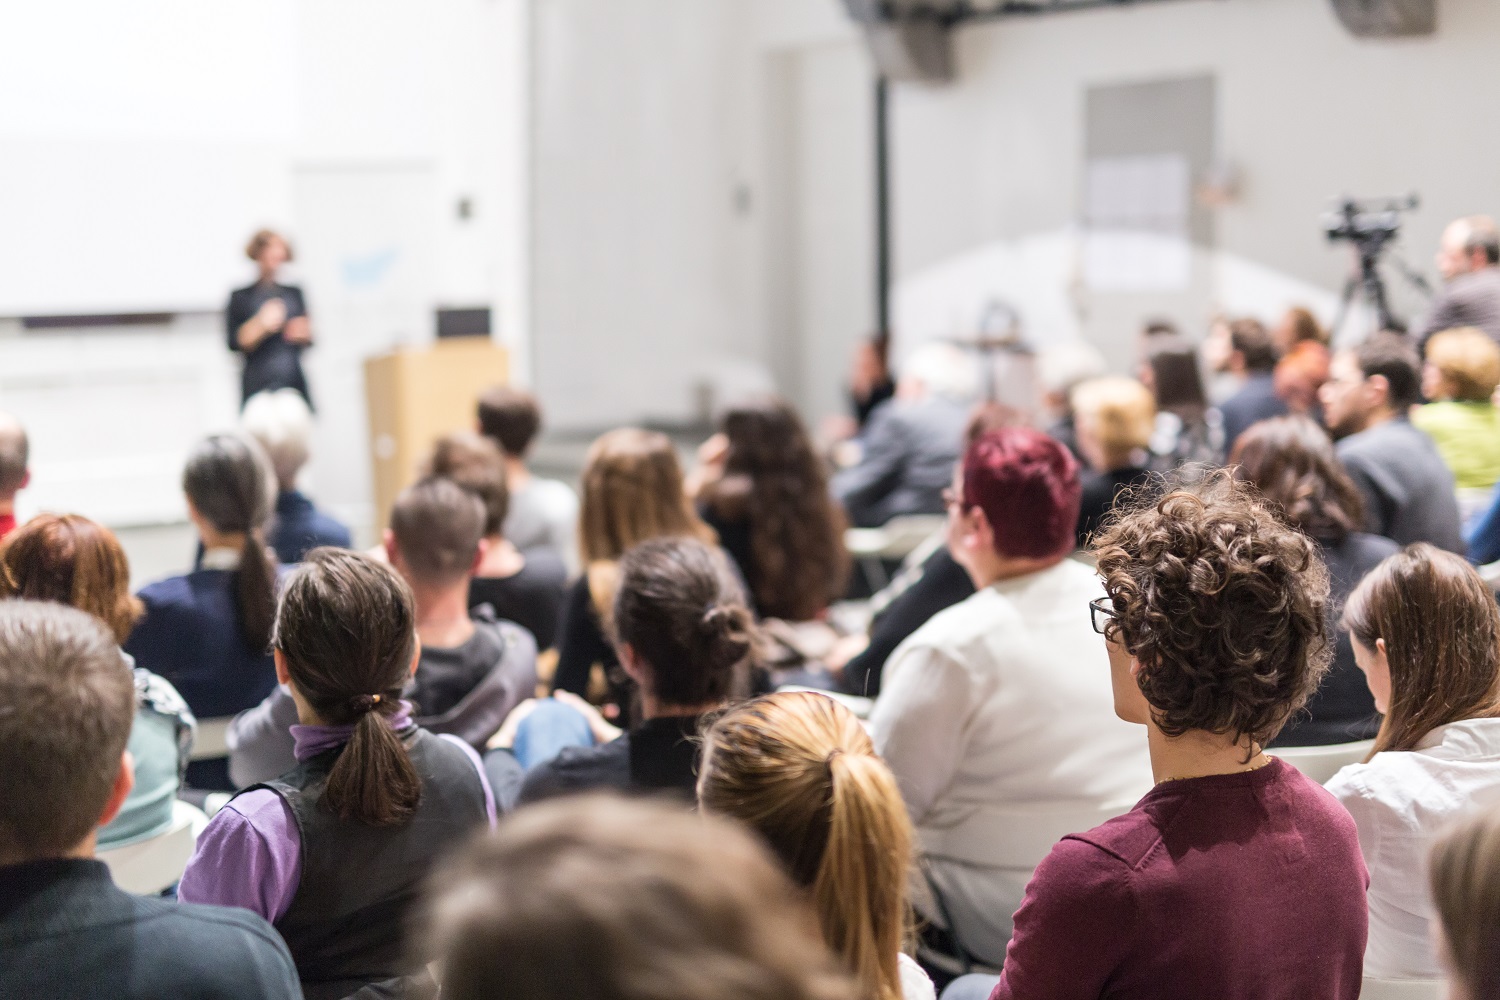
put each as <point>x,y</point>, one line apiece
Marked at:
<point>363,703</point>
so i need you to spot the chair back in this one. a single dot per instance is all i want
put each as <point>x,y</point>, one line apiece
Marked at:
<point>1322,763</point>
<point>150,866</point>
<point>211,741</point>
<point>1401,989</point>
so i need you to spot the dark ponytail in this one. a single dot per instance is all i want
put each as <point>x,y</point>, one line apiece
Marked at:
<point>229,480</point>
<point>683,612</point>
<point>347,628</point>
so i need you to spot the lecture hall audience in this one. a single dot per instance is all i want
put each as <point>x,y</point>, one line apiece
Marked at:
<point>999,707</point>
<point>67,932</point>
<point>799,769</point>
<point>1243,350</point>
<point>543,513</point>
<point>282,422</point>
<point>208,631</point>
<point>1291,462</point>
<point>68,559</point>
<point>1115,418</point>
<point>333,853</point>
<point>633,491</point>
<point>685,637</point>
<point>1302,360</point>
<point>1426,633</point>
<point>910,442</point>
<point>523,587</point>
<point>1235,877</point>
<point>1408,490</point>
<point>762,488</point>
<point>1468,258</point>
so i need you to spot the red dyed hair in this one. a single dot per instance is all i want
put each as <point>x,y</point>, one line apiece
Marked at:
<point>1027,485</point>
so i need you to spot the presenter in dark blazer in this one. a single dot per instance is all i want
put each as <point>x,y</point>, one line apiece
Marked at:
<point>267,322</point>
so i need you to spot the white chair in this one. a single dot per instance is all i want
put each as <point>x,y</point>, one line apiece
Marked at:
<point>149,866</point>
<point>1322,763</point>
<point>1401,989</point>
<point>871,548</point>
<point>212,741</point>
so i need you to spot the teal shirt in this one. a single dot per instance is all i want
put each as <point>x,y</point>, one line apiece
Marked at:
<point>1467,435</point>
<point>160,739</point>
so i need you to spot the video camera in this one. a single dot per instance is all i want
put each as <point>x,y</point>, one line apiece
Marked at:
<point>1369,223</point>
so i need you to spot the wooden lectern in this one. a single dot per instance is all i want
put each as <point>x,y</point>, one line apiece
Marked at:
<point>416,395</point>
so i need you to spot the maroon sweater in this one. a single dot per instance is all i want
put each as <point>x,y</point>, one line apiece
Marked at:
<point>1236,887</point>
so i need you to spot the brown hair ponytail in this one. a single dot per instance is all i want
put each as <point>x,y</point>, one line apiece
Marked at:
<point>347,628</point>
<point>799,768</point>
<point>229,480</point>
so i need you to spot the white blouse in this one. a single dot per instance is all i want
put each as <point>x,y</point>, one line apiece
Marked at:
<point>915,985</point>
<point>1401,801</point>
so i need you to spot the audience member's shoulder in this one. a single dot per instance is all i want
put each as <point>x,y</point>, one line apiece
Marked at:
<point>545,568</point>
<point>172,590</point>
<point>579,769</point>
<point>214,951</point>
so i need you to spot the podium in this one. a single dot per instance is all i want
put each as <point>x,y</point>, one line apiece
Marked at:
<point>416,395</point>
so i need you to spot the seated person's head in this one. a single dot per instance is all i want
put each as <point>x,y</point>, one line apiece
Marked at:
<point>1297,326</point>
<point>14,457</point>
<point>1114,417</point>
<point>1251,349</point>
<point>230,490</point>
<point>436,535</point>
<point>1376,380</point>
<point>1463,364</point>
<point>800,770</point>
<point>1171,374</point>
<point>1014,503</point>
<point>476,464</point>
<point>282,423</point>
<point>346,644</point>
<point>68,559</point>
<point>681,626</point>
<point>1214,618</point>
<point>1468,244</point>
<point>1426,632</point>
<point>633,491</point>
<point>628,900</point>
<point>1464,876</point>
<point>511,418</point>
<point>1293,464</point>
<point>68,703</point>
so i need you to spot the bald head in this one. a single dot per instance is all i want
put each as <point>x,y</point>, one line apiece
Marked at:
<point>14,451</point>
<point>1469,244</point>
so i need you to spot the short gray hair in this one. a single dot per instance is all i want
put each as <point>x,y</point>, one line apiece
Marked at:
<point>946,370</point>
<point>282,422</point>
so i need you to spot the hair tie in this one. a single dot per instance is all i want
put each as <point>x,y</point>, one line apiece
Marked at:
<point>828,761</point>
<point>365,703</point>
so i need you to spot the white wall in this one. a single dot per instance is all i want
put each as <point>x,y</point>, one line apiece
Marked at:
<point>649,115</point>
<point>150,146</point>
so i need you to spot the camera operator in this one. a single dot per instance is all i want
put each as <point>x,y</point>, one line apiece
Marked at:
<point>1467,258</point>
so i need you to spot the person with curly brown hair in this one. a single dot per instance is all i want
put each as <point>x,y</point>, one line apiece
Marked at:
<point>1236,877</point>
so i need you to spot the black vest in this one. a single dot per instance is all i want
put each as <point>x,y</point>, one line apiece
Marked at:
<point>346,925</point>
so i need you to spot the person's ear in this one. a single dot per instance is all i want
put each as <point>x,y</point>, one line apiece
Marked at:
<point>388,541</point>
<point>631,663</point>
<point>416,655</point>
<point>120,790</point>
<point>283,675</point>
<point>1378,390</point>
<point>978,533</point>
<point>480,551</point>
<point>25,479</point>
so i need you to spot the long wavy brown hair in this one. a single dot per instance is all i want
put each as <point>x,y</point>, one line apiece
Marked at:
<point>1292,462</point>
<point>1441,628</point>
<point>68,559</point>
<point>774,480</point>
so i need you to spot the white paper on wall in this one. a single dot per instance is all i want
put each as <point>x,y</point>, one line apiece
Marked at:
<point>1136,224</point>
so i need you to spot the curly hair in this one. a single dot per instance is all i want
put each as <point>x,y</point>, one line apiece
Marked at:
<point>1222,605</point>
<point>774,480</point>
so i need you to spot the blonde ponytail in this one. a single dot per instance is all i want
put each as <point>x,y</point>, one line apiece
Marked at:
<point>800,769</point>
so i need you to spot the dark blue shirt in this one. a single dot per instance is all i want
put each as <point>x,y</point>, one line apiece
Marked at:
<point>191,635</point>
<point>299,527</point>
<point>275,362</point>
<point>67,932</point>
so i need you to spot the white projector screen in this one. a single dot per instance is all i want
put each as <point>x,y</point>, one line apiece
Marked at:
<point>140,144</point>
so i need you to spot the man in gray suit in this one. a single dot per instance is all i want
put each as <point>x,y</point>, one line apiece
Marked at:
<point>912,440</point>
<point>1468,259</point>
<point>1407,489</point>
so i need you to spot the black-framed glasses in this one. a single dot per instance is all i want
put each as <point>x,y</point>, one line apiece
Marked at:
<point>1102,611</point>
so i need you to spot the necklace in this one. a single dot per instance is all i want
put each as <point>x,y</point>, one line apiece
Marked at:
<point>1246,770</point>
